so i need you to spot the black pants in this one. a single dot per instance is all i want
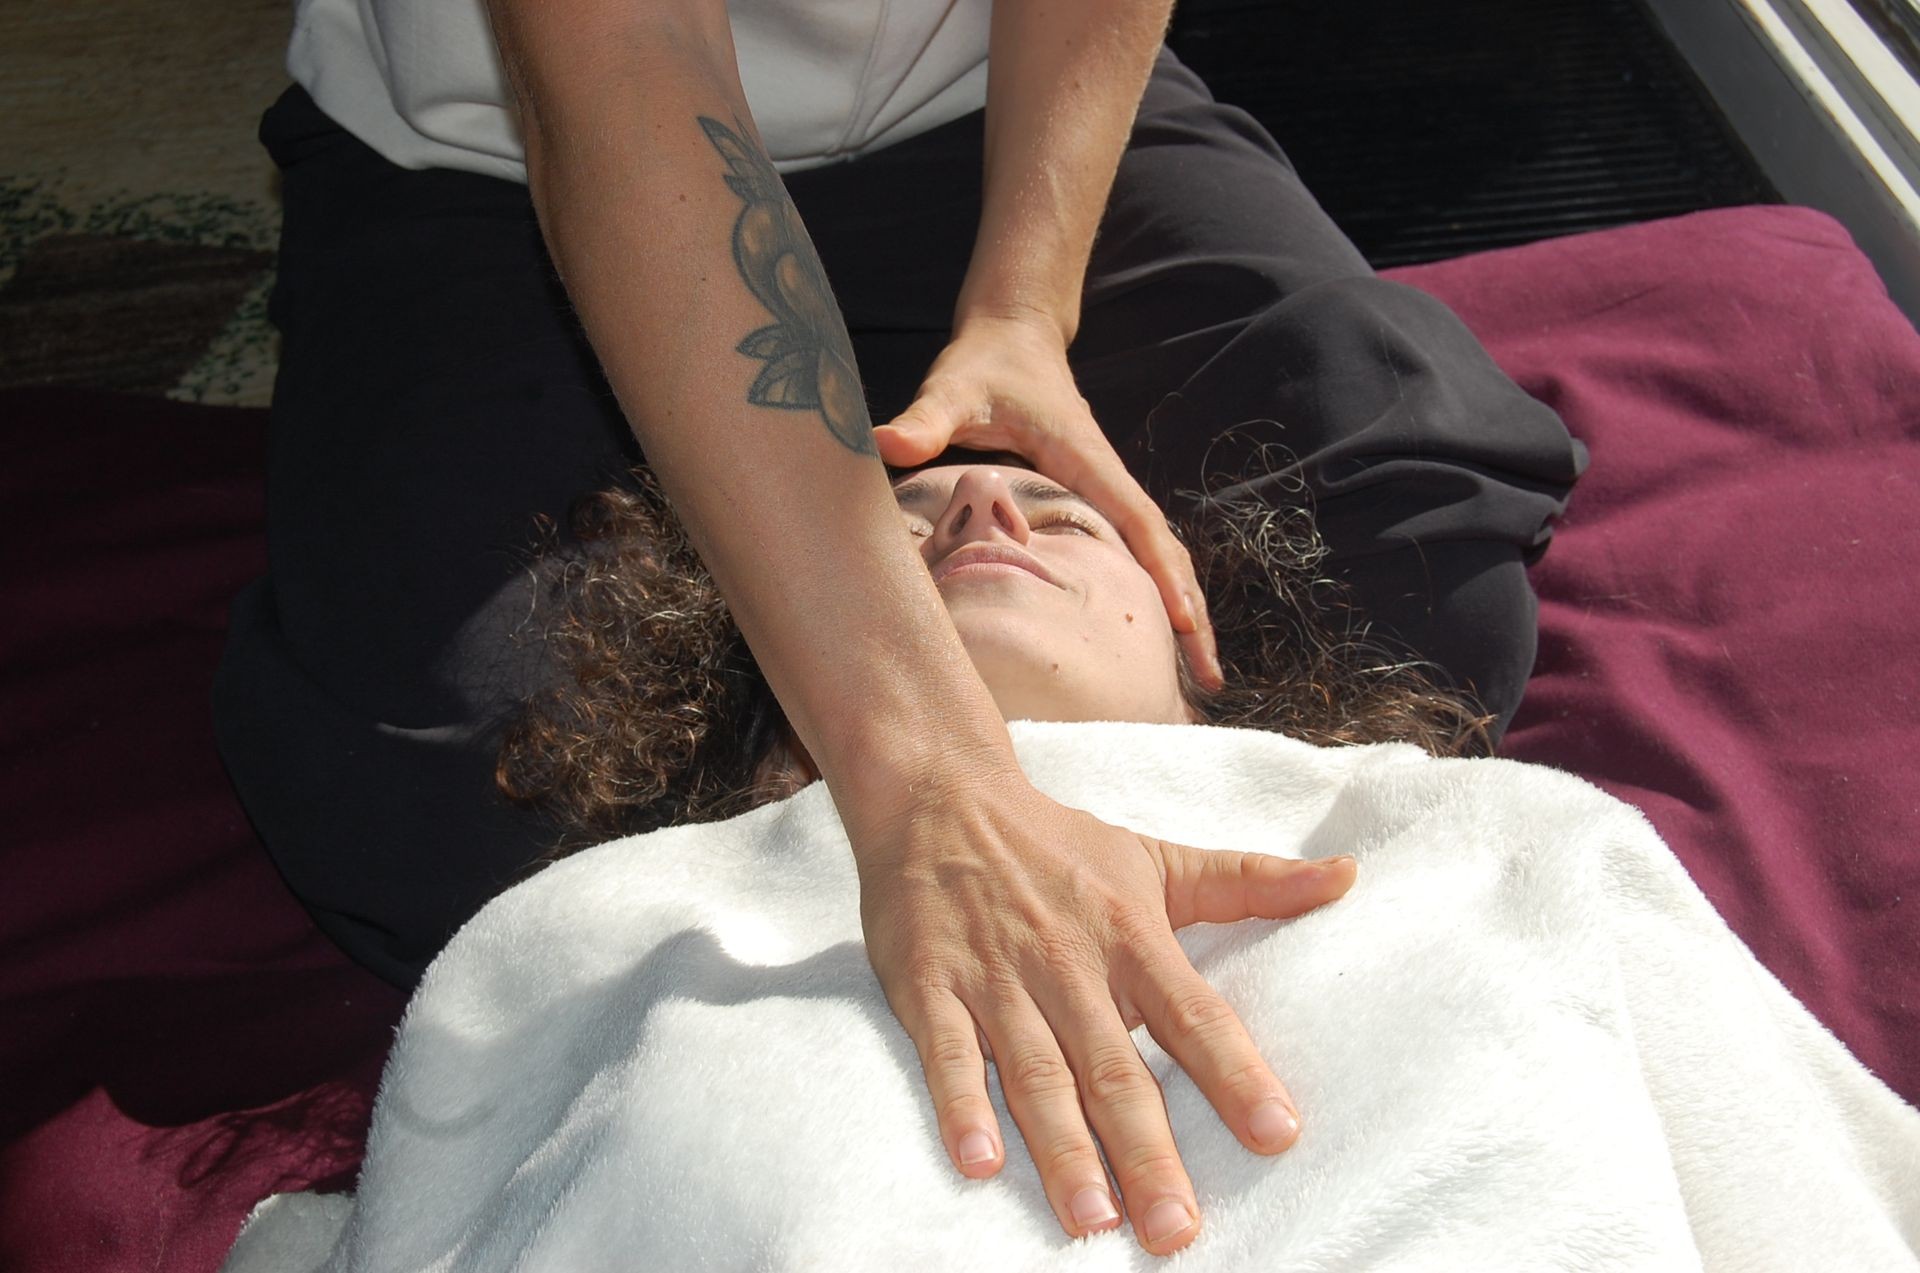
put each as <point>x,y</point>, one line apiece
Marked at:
<point>435,394</point>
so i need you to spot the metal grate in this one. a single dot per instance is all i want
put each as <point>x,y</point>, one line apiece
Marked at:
<point>1430,130</point>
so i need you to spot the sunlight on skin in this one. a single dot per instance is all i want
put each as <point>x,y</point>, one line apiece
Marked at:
<point>1060,620</point>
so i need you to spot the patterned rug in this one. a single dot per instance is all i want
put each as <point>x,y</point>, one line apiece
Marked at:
<point>138,214</point>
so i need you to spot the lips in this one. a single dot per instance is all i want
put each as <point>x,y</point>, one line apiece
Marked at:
<point>989,554</point>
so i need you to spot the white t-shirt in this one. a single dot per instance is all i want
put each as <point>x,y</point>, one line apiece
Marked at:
<point>420,80</point>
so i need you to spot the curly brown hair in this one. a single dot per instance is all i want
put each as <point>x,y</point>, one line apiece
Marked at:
<point>659,714</point>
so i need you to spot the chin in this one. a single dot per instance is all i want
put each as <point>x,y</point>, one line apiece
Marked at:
<point>1042,671</point>
<point>1008,636</point>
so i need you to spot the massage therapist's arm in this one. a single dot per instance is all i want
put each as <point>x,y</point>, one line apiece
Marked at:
<point>1064,83</point>
<point>982,901</point>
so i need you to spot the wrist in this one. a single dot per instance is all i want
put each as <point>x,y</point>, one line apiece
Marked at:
<point>1051,320</point>
<point>1027,266</point>
<point>892,768</point>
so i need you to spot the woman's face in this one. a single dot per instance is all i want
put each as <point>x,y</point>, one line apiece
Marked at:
<point>1060,620</point>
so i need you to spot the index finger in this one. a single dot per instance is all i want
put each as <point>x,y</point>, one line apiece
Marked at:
<point>1103,479</point>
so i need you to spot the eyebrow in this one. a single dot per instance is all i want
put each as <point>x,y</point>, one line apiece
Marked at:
<point>918,489</point>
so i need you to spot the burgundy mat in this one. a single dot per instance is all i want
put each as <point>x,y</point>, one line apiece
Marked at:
<point>1729,608</point>
<point>1726,641</point>
<point>178,1039</point>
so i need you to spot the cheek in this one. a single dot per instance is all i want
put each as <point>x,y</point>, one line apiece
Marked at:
<point>1128,596</point>
<point>1140,650</point>
<point>1135,587</point>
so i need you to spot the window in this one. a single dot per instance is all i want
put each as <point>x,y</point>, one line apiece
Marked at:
<point>1826,96</point>
<point>1898,23</point>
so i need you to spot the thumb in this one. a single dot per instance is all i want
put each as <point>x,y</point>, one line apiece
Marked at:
<point>916,435</point>
<point>1219,886</point>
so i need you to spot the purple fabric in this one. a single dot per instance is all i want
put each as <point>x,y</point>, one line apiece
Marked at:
<point>178,1040</point>
<point>1726,633</point>
<point>1728,609</point>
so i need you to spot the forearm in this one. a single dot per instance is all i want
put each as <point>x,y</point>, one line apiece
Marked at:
<point>657,204</point>
<point>1064,80</point>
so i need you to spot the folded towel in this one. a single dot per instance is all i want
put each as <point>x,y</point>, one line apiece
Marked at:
<point>1523,1040</point>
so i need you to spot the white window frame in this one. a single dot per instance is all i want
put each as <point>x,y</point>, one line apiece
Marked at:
<point>1829,112</point>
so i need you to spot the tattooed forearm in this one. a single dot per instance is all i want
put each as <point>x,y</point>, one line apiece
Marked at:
<point>807,355</point>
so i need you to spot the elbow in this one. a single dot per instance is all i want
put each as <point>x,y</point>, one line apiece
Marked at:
<point>560,58</point>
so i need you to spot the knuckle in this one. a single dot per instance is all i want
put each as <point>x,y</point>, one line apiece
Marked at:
<point>1145,928</point>
<point>1248,1081</point>
<point>922,961</point>
<point>1061,949</point>
<point>1037,1071</point>
<point>924,978</point>
<point>962,1110</point>
<point>1117,1075</point>
<point>1149,1162</point>
<point>951,1053</point>
<point>1066,1158</point>
<point>1196,1012</point>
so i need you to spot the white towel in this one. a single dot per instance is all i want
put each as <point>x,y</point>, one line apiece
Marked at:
<point>1524,1040</point>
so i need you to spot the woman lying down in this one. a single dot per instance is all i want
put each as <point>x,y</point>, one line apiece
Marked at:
<point>1516,1035</point>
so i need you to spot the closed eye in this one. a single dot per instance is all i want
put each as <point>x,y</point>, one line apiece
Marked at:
<point>1049,519</point>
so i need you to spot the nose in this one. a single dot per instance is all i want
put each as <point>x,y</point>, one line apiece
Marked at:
<point>981,506</point>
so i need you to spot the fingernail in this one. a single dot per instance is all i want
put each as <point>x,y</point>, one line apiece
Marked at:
<point>1272,1125</point>
<point>975,1147</point>
<point>1092,1206</point>
<point>1166,1219</point>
